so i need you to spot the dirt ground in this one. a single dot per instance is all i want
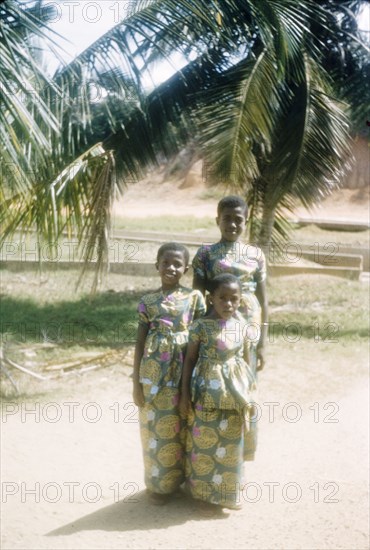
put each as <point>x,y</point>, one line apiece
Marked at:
<point>152,197</point>
<point>72,471</point>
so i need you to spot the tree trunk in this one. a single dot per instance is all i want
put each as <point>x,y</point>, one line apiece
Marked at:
<point>265,235</point>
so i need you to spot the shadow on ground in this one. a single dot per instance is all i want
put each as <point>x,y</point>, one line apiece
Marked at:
<point>124,516</point>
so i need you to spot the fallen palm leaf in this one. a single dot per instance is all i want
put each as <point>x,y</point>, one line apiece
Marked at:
<point>23,369</point>
<point>101,358</point>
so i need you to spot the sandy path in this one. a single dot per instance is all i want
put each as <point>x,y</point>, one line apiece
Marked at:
<point>306,490</point>
<point>150,197</point>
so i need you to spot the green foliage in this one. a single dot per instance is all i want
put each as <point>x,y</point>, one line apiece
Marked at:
<point>324,308</point>
<point>344,54</point>
<point>254,96</point>
<point>107,319</point>
<point>183,224</point>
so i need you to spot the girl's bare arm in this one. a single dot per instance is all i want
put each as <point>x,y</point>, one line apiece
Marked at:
<point>199,284</point>
<point>261,295</point>
<point>138,395</point>
<point>191,358</point>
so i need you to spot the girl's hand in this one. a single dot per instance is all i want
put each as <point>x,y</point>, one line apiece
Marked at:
<point>138,395</point>
<point>184,405</point>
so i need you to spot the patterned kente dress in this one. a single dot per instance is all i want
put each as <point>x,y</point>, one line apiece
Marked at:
<point>248,263</point>
<point>222,389</point>
<point>167,314</point>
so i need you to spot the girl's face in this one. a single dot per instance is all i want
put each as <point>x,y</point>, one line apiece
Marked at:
<point>171,267</point>
<point>231,222</point>
<point>226,300</point>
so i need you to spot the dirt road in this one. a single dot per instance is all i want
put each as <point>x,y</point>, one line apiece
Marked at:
<point>72,474</point>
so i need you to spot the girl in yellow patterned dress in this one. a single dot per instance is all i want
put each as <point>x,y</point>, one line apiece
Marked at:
<point>221,386</point>
<point>246,261</point>
<point>164,318</point>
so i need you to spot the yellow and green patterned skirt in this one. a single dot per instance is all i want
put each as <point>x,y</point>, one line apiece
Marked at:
<point>163,437</point>
<point>217,446</point>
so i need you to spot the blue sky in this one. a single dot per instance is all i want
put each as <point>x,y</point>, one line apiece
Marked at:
<point>83,22</point>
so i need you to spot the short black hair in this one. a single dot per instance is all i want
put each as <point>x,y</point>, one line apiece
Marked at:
<point>178,247</point>
<point>223,279</point>
<point>232,201</point>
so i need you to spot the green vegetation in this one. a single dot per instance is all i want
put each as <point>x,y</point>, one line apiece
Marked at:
<point>109,318</point>
<point>45,322</point>
<point>206,226</point>
<point>180,224</point>
<point>121,250</point>
<point>320,308</point>
<point>52,311</point>
<point>258,99</point>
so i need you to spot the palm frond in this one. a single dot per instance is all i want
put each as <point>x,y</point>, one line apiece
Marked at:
<point>237,114</point>
<point>250,93</point>
<point>77,202</point>
<point>311,150</point>
<point>97,216</point>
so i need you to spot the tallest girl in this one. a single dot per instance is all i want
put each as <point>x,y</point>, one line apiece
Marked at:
<point>245,261</point>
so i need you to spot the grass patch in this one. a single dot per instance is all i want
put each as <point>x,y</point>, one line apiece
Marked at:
<point>312,234</point>
<point>46,324</point>
<point>45,321</point>
<point>108,319</point>
<point>308,235</point>
<point>321,242</point>
<point>323,308</point>
<point>52,311</point>
<point>213,193</point>
<point>163,224</point>
<point>47,308</point>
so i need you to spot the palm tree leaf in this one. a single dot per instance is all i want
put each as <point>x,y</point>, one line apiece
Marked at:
<point>241,120</point>
<point>310,151</point>
<point>250,93</point>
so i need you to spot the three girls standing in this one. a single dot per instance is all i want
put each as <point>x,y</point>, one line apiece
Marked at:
<point>218,373</point>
